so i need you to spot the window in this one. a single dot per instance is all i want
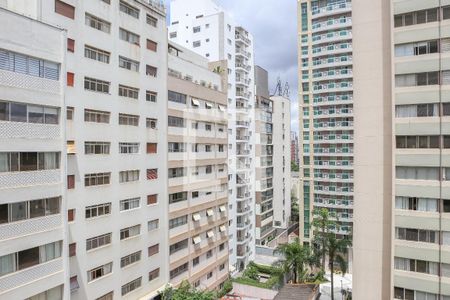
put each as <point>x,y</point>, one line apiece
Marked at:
<point>74,283</point>
<point>96,54</point>
<point>130,232</point>
<point>27,113</point>
<point>151,45</point>
<point>179,270</point>
<point>177,147</point>
<point>98,241</point>
<point>152,174</point>
<point>72,249</point>
<point>177,172</point>
<point>152,21</point>
<point>97,23</point>
<point>69,112</point>
<point>417,173</point>
<point>99,272</point>
<point>207,148</point>
<point>70,182</point>
<point>178,246</point>
<point>18,211</point>
<point>130,120</point>
<point>208,169</point>
<point>128,36</point>
<point>209,254</point>
<point>129,10</point>
<point>151,71</point>
<point>96,147</point>
<point>196,261</point>
<point>128,176</point>
<point>221,267</point>
<point>71,215</point>
<point>418,79</point>
<point>96,85</point>
<point>196,29</point>
<point>97,179</point>
<point>417,17</point>
<point>151,123</point>
<point>417,235</point>
<point>130,259</point>
<point>177,197</point>
<point>196,44</point>
<point>98,210</point>
<point>110,295</point>
<point>153,274</point>
<point>176,97</point>
<point>131,286</point>
<point>70,79</point>
<point>194,195</point>
<point>422,142</point>
<point>208,127</point>
<point>417,110</point>
<point>152,199</point>
<point>96,116</point>
<point>419,204</point>
<point>151,96</point>
<point>70,45</point>
<point>128,148</point>
<point>129,204</point>
<point>29,161</point>
<point>152,250</point>
<point>128,64</point>
<point>153,224</point>
<point>173,35</point>
<point>176,122</point>
<point>64,9</point>
<point>28,65</point>
<point>176,222</point>
<point>413,265</point>
<point>152,148</point>
<point>209,275</point>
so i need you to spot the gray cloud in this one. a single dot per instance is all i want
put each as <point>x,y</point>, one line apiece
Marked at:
<point>273,24</point>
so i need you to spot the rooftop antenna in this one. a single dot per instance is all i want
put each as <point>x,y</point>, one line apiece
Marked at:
<point>286,91</point>
<point>280,90</point>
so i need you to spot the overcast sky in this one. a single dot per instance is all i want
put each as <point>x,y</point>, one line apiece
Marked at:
<point>273,24</point>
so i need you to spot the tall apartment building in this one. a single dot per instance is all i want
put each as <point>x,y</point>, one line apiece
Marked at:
<point>326,117</point>
<point>33,231</point>
<point>116,130</point>
<point>272,161</point>
<point>204,27</point>
<point>198,176</point>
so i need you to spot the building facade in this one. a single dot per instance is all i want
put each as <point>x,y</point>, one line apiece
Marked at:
<point>197,170</point>
<point>326,117</point>
<point>294,148</point>
<point>115,83</point>
<point>33,226</point>
<point>204,27</point>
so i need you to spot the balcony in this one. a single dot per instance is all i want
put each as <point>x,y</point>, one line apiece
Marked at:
<point>243,152</point>
<point>242,39</point>
<point>30,178</point>
<point>243,67</point>
<point>332,10</point>
<point>30,226</point>
<point>243,53</point>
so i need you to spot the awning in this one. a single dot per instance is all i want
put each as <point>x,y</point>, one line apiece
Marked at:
<point>208,105</point>
<point>196,240</point>
<point>71,147</point>
<point>196,217</point>
<point>221,107</point>
<point>74,284</point>
<point>222,228</point>
<point>210,212</point>
<point>210,234</point>
<point>222,208</point>
<point>195,102</point>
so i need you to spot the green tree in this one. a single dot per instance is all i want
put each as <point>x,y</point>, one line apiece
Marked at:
<point>295,214</point>
<point>322,226</point>
<point>295,261</point>
<point>186,292</point>
<point>337,250</point>
<point>294,167</point>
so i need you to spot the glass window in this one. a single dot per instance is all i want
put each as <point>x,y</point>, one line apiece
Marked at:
<point>37,208</point>
<point>18,112</point>
<point>28,258</point>
<point>7,264</point>
<point>18,211</point>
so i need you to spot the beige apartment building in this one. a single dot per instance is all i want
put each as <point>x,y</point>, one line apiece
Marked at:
<point>197,169</point>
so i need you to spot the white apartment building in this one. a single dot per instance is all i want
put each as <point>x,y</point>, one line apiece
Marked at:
<point>204,27</point>
<point>272,161</point>
<point>33,231</point>
<point>198,176</point>
<point>116,101</point>
<point>326,113</point>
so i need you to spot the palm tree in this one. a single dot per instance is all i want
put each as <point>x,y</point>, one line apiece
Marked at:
<point>295,260</point>
<point>322,226</point>
<point>336,250</point>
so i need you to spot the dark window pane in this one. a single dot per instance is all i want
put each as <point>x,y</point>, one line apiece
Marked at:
<point>35,114</point>
<point>18,112</point>
<point>446,206</point>
<point>3,213</point>
<point>447,141</point>
<point>401,142</point>
<point>421,17</point>
<point>18,211</point>
<point>37,208</point>
<point>398,21</point>
<point>421,266</point>
<point>434,142</point>
<point>28,258</point>
<point>408,19</point>
<point>411,142</point>
<point>4,111</point>
<point>433,78</point>
<point>432,15</point>
<point>52,206</point>
<point>14,162</point>
<point>28,161</point>
<point>421,78</point>
<point>411,234</point>
<point>433,47</point>
<point>409,295</point>
<point>422,110</point>
<point>446,109</point>
<point>398,293</point>
<point>446,12</point>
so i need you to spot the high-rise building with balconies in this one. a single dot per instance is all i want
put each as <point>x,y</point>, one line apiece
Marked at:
<point>198,175</point>
<point>204,27</point>
<point>33,227</point>
<point>326,116</point>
